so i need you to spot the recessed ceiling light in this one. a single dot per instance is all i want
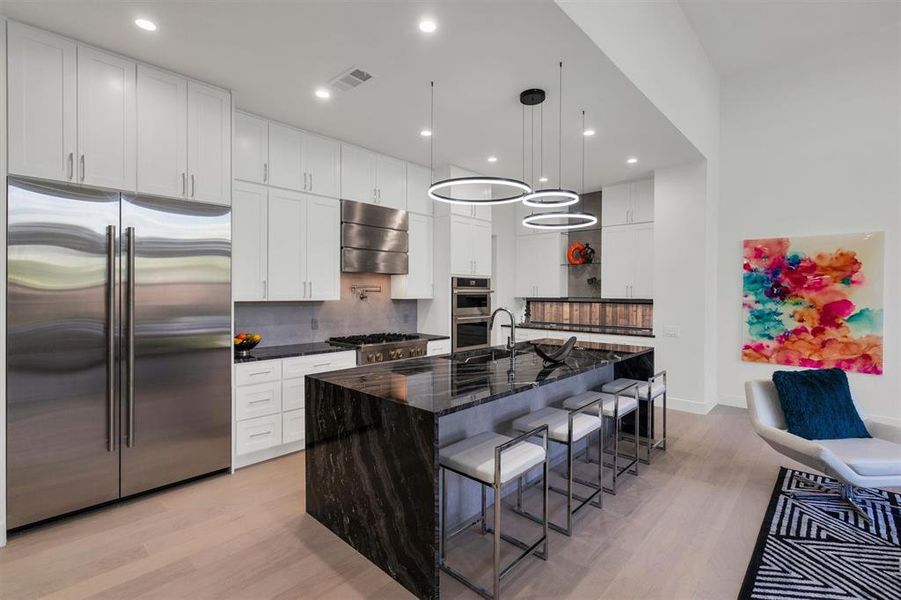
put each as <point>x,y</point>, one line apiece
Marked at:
<point>425,133</point>
<point>588,132</point>
<point>427,26</point>
<point>542,180</point>
<point>492,159</point>
<point>323,93</point>
<point>145,24</point>
<point>632,160</point>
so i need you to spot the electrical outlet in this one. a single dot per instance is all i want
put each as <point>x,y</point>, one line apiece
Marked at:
<point>671,331</point>
<point>314,324</point>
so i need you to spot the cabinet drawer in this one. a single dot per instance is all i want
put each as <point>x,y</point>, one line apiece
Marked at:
<point>258,372</point>
<point>292,426</point>
<point>292,394</point>
<point>258,434</point>
<point>317,363</point>
<point>258,400</point>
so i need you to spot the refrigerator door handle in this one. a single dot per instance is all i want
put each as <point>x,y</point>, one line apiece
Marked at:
<point>111,335</point>
<point>130,337</point>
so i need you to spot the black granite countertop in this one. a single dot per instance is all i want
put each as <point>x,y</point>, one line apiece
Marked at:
<point>445,384</point>
<point>601,329</point>
<point>291,350</point>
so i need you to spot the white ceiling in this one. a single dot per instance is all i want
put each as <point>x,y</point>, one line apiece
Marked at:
<point>273,54</point>
<point>742,34</point>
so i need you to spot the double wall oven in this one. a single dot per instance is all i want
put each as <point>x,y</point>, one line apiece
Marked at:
<point>471,313</point>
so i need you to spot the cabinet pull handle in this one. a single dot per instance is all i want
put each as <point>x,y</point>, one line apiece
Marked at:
<point>70,170</point>
<point>261,434</point>
<point>258,373</point>
<point>264,288</point>
<point>311,289</point>
<point>81,164</point>
<point>326,364</point>
<point>260,401</point>
<point>193,185</point>
<point>265,172</point>
<point>184,184</point>
<point>305,181</point>
<point>311,182</point>
<point>304,290</point>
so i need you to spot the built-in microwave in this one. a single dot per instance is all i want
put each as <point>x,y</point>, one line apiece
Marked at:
<point>471,313</point>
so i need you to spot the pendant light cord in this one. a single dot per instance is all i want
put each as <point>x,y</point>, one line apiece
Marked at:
<point>582,185</point>
<point>560,134</point>
<point>432,132</point>
<point>541,144</point>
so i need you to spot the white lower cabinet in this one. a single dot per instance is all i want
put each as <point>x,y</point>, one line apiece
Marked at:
<point>436,347</point>
<point>292,426</point>
<point>270,403</point>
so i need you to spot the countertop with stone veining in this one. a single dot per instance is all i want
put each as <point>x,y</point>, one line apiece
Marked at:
<point>446,384</point>
<point>292,350</point>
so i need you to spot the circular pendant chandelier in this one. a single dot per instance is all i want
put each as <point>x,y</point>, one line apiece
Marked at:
<point>473,191</point>
<point>558,197</point>
<point>559,220</point>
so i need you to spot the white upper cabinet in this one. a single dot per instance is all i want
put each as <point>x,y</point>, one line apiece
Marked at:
<point>470,246</point>
<point>251,148</point>
<point>209,144</point>
<point>323,248</point>
<point>249,241</point>
<point>418,181</point>
<point>643,201</point>
<point>42,83</point>
<point>162,133</point>
<point>285,150</point>
<point>321,165</point>
<point>539,266</point>
<point>391,182</point>
<point>357,174</point>
<point>107,126</point>
<point>630,202</point>
<point>287,246</point>
<point>373,178</point>
<point>627,261</point>
<point>418,283</point>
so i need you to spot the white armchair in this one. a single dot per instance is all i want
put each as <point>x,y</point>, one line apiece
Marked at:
<point>855,462</point>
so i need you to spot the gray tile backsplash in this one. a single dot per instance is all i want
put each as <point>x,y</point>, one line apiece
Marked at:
<point>300,322</point>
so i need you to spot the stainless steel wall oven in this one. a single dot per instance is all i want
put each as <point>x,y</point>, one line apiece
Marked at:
<point>471,313</point>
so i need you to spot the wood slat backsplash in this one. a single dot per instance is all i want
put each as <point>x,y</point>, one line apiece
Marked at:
<point>596,314</point>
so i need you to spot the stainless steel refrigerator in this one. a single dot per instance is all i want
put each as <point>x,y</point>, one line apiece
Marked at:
<point>119,346</point>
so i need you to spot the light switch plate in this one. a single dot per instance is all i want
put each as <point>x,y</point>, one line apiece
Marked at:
<point>670,331</point>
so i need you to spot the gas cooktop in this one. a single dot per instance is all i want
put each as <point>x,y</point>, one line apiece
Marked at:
<point>380,347</point>
<point>373,338</point>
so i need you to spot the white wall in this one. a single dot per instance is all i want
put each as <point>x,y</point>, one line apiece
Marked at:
<point>810,146</point>
<point>680,301</point>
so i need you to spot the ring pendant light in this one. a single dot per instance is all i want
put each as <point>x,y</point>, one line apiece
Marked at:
<point>514,189</point>
<point>548,197</point>
<point>563,220</point>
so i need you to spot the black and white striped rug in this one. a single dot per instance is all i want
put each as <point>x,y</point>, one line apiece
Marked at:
<point>819,548</point>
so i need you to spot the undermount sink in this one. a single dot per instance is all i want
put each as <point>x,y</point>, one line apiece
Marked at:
<point>481,357</point>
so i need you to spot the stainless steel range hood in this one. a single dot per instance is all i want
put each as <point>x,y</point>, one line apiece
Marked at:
<point>373,239</point>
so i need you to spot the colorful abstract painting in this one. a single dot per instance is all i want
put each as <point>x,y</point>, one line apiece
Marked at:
<point>814,301</point>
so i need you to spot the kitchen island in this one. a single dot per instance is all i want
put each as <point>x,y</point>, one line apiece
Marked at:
<point>373,434</point>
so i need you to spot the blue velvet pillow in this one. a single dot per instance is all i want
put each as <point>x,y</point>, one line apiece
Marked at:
<point>817,404</point>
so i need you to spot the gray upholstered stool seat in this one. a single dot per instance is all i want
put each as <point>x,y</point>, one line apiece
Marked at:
<point>557,421</point>
<point>618,385</point>
<point>626,403</point>
<point>475,457</point>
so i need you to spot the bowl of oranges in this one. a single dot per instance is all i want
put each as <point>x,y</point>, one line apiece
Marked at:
<point>245,342</point>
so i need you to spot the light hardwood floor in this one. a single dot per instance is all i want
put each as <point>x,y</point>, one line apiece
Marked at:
<point>685,528</point>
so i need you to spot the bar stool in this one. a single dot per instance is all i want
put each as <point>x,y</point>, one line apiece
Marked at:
<point>649,390</point>
<point>491,460</point>
<point>566,427</point>
<point>614,407</point>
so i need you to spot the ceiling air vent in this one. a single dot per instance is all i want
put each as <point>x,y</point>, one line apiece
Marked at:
<point>349,79</point>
